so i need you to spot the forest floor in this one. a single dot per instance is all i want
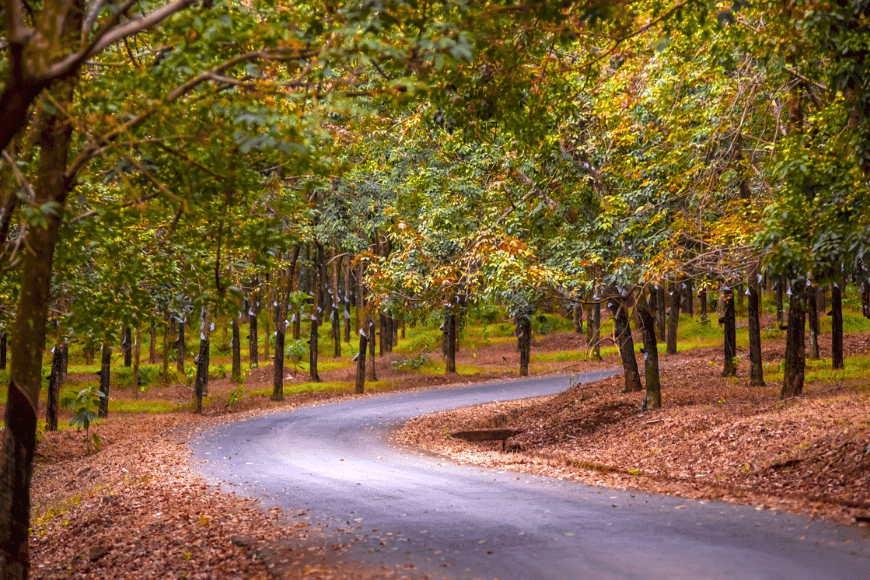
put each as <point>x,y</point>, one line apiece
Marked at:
<point>138,509</point>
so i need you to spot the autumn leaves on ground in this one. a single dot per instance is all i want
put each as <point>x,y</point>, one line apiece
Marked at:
<point>136,508</point>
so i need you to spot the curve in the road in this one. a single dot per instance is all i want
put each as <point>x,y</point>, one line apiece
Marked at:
<point>332,461</point>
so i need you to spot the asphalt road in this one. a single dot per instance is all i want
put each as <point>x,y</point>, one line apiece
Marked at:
<point>461,521</point>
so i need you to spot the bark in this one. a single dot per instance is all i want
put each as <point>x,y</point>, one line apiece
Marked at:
<point>385,332</point>
<point>596,332</point>
<point>865,310</point>
<point>281,327</point>
<point>450,340</point>
<point>237,352</point>
<point>152,347</point>
<point>64,353</point>
<point>674,319</point>
<point>347,291</point>
<point>756,369</point>
<point>524,340</point>
<point>335,307</point>
<point>315,308</point>
<point>166,336</point>
<point>137,350</point>
<point>661,318</point>
<point>813,326</point>
<point>105,379</point>
<point>589,323</point>
<point>730,334</point>
<point>179,357</point>
<point>55,381</point>
<point>200,386</point>
<point>689,302</point>
<point>253,311</point>
<point>361,365</point>
<point>837,361</point>
<point>653,398</point>
<point>795,363</point>
<point>622,330</point>
<point>371,335</point>
<point>578,319</point>
<point>780,282</point>
<point>127,345</point>
<point>3,350</point>
<point>702,302</point>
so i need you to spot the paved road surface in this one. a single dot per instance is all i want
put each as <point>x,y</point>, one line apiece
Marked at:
<point>331,461</point>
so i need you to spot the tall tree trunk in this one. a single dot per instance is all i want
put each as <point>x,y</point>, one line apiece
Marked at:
<point>127,346</point>
<point>179,357</point>
<point>756,369</point>
<point>450,339</point>
<point>578,318</point>
<point>372,332</point>
<point>137,350</point>
<point>315,313</point>
<point>589,323</point>
<point>55,380</point>
<point>674,319</point>
<point>347,291</point>
<point>730,333</point>
<point>780,282</point>
<point>237,352</point>
<point>689,302</point>
<point>795,363</point>
<point>64,354</point>
<point>661,311</point>
<point>837,361</point>
<point>152,347</point>
<point>813,322</point>
<point>524,339</point>
<point>702,301</point>
<point>3,350</point>
<point>253,344</point>
<point>622,330</point>
<point>105,379</point>
<point>382,322</point>
<point>865,310</point>
<point>202,361</point>
<point>653,398</point>
<point>281,324</point>
<point>596,331</point>
<point>334,306</point>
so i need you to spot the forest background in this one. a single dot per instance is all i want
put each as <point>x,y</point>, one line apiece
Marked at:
<point>185,163</point>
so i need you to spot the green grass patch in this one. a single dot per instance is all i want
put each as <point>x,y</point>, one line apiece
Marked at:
<point>152,407</point>
<point>305,388</point>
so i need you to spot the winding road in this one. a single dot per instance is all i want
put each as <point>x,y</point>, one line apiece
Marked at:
<point>461,521</point>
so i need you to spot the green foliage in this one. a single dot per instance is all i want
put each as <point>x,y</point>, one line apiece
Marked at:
<point>84,406</point>
<point>236,395</point>
<point>411,363</point>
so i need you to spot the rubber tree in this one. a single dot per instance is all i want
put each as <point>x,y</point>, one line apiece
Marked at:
<point>652,378</point>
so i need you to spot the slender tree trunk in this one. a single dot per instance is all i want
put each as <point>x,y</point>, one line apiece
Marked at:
<point>596,331</point>
<point>253,344</point>
<point>334,307</point>
<point>64,361</point>
<point>661,318</point>
<point>756,369</point>
<point>372,340</point>
<point>152,347</point>
<point>578,318</point>
<point>780,282</point>
<point>622,330</point>
<point>237,352</point>
<point>524,340</point>
<point>55,381</point>
<point>127,345</point>
<point>3,350</point>
<point>795,363</point>
<point>347,291</point>
<point>179,357</point>
<point>105,379</point>
<point>202,361</point>
<point>166,338</point>
<point>865,310</point>
<point>450,337</point>
<point>315,311</point>
<point>730,332</point>
<point>813,322</point>
<point>837,361</point>
<point>589,323</point>
<point>702,301</point>
<point>137,350</point>
<point>653,399</point>
<point>281,324</point>
<point>382,322</point>
<point>674,319</point>
<point>689,302</point>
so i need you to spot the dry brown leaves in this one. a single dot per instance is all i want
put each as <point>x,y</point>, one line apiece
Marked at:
<point>714,438</point>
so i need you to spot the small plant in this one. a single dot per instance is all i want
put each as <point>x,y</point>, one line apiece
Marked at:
<point>415,363</point>
<point>219,372</point>
<point>85,405</point>
<point>704,320</point>
<point>294,352</point>
<point>236,395</point>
